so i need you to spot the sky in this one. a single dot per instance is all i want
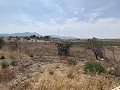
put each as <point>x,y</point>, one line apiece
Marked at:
<point>75,18</point>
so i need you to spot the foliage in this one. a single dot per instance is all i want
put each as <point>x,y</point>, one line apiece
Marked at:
<point>72,62</point>
<point>5,64</point>
<point>64,48</point>
<point>2,42</point>
<point>94,68</point>
<point>33,36</point>
<point>46,37</point>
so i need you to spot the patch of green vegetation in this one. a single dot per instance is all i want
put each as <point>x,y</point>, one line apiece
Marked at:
<point>104,43</point>
<point>93,68</point>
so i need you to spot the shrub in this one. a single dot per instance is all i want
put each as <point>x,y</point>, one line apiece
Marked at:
<point>2,57</point>
<point>72,62</point>
<point>31,55</point>
<point>64,48</point>
<point>5,64</point>
<point>94,68</point>
<point>14,63</point>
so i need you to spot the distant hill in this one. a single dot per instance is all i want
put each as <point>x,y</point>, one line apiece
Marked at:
<point>34,33</point>
<point>20,34</point>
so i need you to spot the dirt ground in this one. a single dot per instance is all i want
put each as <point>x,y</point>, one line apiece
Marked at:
<point>41,68</point>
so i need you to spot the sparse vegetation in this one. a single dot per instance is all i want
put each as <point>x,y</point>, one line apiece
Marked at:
<point>49,70</point>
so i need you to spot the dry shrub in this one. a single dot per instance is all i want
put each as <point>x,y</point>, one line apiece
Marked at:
<point>6,75</point>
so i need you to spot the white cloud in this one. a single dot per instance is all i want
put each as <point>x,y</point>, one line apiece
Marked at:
<point>92,16</point>
<point>101,28</point>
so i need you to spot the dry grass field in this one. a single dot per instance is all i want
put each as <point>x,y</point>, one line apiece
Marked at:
<point>37,66</point>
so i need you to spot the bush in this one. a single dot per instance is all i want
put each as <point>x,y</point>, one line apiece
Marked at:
<point>94,68</point>
<point>14,63</point>
<point>64,48</point>
<point>2,57</point>
<point>31,55</point>
<point>72,62</point>
<point>5,64</point>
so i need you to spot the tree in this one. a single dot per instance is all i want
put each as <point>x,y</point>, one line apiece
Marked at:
<point>46,37</point>
<point>64,48</point>
<point>2,42</point>
<point>33,36</point>
<point>96,46</point>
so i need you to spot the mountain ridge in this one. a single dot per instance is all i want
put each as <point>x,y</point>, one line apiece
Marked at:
<point>33,33</point>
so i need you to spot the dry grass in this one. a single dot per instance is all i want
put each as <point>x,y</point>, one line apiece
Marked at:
<point>77,81</point>
<point>54,75</point>
<point>6,75</point>
<point>83,83</point>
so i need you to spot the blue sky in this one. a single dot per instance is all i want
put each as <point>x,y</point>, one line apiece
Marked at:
<point>76,18</point>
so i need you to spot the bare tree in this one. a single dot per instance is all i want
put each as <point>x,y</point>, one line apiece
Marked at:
<point>96,46</point>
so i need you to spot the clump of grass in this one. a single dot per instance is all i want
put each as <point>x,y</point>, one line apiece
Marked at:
<point>93,68</point>
<point>72,62</point>
<point>14,62</point>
